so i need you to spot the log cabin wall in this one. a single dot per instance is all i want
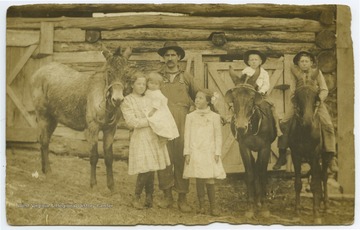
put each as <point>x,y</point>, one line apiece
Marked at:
<point>73,34</point>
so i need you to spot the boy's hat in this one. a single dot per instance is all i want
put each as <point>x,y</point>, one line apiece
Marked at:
<point>303,53</point>
<point>249,52</point>
<point>171,45</point>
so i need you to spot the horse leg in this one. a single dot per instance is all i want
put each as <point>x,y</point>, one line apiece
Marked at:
<point>262,163</point>
<point>316,187</point>
<point>92,137</point>
<point>296,158</point>
<point>46,126</point>
<point>326,157</point>
<point>108,137</point>
<point>248,161</point>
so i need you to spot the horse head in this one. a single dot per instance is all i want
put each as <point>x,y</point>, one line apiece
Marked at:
<point>116,67</point>
<point>306,100</point>
<point>244,99</point>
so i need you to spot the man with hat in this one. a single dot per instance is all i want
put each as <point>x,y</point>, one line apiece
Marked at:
<point>305,73</point>
<point>180,89</point>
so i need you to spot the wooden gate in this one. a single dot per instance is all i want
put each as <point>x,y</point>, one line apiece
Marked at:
<point>217,79</point>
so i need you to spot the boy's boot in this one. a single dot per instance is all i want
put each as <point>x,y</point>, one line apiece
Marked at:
<point>149,190</point>
<point>281,160</point>
<point>182,203</point>
<point>211,195</point>
<point>168,199</point>
<point>200,189</point>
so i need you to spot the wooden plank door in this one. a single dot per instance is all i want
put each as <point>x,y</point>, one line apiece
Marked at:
<point>218,80</point>
<point>23,57</point>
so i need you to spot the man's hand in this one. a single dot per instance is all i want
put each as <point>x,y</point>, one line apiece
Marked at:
<point>187,159</point>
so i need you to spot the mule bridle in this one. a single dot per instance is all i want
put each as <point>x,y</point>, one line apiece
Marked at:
<point>313,89</point>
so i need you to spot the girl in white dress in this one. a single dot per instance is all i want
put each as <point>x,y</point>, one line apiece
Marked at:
<point>160,118</point>
<point>146,154</point>
<point>202,148</point>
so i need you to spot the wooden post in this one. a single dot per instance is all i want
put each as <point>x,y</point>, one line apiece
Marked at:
<point>345,70</point>
<point>46,45</point>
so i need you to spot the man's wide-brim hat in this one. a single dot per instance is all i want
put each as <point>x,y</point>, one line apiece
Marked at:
<point>249,52</point>
<point>172,45</point>
<point>303,53</point>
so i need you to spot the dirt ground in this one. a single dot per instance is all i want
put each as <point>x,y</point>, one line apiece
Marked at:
<point>64,197</point>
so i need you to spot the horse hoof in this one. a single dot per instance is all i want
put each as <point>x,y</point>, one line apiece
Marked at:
<point>249,214</point>
<point>317,220</point>
<point>265,213</point>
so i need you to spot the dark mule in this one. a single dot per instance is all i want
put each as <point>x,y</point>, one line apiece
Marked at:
<point>254,128</point>
<point>305,144</point>
<point>83,103</point>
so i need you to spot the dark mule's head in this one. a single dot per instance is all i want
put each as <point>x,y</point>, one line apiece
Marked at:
<point>243,98</point>
<point>116,67</point>
<point>306,100</point>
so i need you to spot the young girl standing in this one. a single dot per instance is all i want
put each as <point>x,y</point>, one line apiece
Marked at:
<point>202,149</point>
<point>160,118</point>
<point>146,155</point>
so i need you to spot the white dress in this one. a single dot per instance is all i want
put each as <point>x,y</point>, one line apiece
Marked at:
<point>162,121</point>
<point>145,152</point>
<point>203,140</point>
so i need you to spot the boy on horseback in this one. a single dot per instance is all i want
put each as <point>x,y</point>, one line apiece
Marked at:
<point>305,74</point>
<point>257,76</point>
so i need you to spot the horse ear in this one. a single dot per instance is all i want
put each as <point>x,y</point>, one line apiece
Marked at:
<point>106,54</point>
<point>233,75</point>
<point>127,53</point>
<point>229,97</point>
<point>258,98</point>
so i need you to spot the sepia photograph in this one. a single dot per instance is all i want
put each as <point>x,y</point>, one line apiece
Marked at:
<point>179,114</point>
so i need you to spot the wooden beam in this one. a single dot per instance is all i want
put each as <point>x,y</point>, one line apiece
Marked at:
<point>22,134</point>
<point>22,37</point>
<point>69,35</point>
<point>46,39</point>
<point>20,106</point>
<point>20,64</point>
<point>193,22</point>
<point>253,10</point>
<point>198,70</point>
<point>203,47</point>
<point>278,73</point>
<point>204,34</point>
<point>345,96</point>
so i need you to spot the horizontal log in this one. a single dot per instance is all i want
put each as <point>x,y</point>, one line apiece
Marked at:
<point>253,10</point>
<point>193,22</point>
<point>203,47</point>
<point>22,37</point>
<point>200,35</point>
<point>69,35</point>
